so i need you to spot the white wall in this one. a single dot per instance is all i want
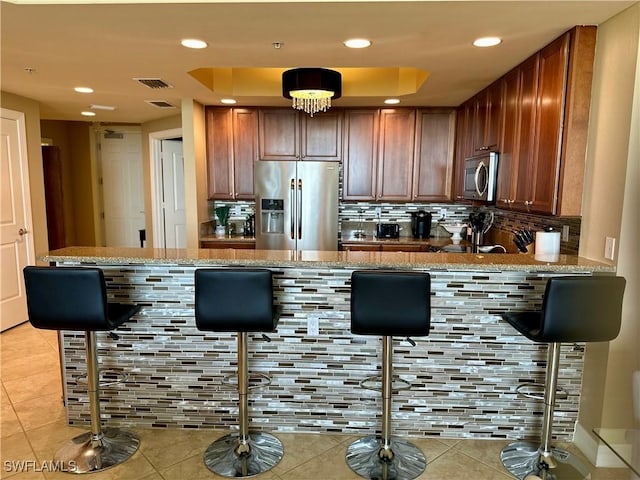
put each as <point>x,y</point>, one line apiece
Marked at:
<point>610,209</point>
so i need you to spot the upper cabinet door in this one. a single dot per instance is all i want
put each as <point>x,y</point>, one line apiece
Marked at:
<point>219,153</point>
<point>322,136</point>
<point>245,151</point>
<point>360,151</point>
<point>395,154</point>
<point>279,134</point>
<point>433,160</point>
<point>549,121</point>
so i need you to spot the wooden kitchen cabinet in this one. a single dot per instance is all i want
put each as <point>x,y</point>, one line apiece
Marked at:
<point>463,148</point>
<point>235,244</point>
<point>433,156</point>
<point>288,134</point>
<point>360,148</point>
<point>395,154</point>
<point>546,109</point>
<point>231,136</point>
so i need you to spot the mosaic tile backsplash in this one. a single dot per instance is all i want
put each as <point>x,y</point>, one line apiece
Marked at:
<point>364,216</point>
<point>463,375</point>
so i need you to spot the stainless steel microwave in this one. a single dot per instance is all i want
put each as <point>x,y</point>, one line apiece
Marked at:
<point>480,177</point>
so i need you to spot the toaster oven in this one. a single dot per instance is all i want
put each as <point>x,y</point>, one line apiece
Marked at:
<point>387,230</point>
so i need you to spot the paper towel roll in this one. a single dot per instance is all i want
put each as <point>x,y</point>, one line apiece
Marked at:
<point>547,246</point>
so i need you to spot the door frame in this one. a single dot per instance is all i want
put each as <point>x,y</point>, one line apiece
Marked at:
<point>155,152</point>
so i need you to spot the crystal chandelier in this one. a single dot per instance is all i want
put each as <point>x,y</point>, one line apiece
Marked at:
<point>311,89</point>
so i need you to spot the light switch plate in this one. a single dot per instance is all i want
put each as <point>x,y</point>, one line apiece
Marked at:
<point>609,248</point>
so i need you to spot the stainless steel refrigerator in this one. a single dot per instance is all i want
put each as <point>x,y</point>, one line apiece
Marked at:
<point>296,205</point>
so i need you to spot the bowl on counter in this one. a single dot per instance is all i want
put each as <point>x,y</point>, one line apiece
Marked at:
<point>456,230</point>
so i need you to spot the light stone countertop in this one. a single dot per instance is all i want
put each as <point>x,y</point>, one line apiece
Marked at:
<point>324,259</point>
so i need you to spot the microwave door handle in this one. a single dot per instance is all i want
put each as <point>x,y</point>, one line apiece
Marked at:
<point>292,205</point>
<point>481,166</point>
<point>299,209</point>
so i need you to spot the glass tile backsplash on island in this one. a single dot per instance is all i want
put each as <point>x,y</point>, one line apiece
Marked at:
<point>351,214</point>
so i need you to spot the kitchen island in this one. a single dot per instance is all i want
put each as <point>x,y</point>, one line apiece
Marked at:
<point>463,375</point>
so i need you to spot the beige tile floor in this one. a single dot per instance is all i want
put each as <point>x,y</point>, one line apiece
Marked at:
<point>33,427</point>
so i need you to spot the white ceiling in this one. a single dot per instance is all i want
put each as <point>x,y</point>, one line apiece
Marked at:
<point>106,45</point>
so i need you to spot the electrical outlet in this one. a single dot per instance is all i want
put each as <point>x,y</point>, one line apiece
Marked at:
<point>236,210</point>
<point>378,211</point>
<point>565,233</point>
<point>443,213</point>
<point>313,326</point>
<point>609,248</point>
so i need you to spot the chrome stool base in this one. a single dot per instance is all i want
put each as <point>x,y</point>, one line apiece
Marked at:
<point>407,463</point>
<point>523,461</point>
<point>92,453</point>
<point>263,453</point>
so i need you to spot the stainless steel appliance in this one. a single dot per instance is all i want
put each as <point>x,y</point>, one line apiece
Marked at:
<point>420,224</point>
<point>296,205</point>
<point>480,175</point>
<point>387,230</point>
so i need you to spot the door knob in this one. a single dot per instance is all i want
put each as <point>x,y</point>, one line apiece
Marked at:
<point>22,232</point>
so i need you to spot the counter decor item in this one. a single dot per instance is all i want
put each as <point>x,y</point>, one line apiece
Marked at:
<point>223,218</point>
<point>547,246</point>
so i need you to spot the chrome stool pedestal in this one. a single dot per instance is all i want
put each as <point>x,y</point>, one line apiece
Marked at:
<point>243,454</point>
<point>386,458</point>
<point>574,309</point>
<point>100,448</point>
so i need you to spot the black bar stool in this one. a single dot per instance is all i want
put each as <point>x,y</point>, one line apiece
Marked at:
<point>238,300</point>
<point>574,309</point>
<point>388,304</point>
<point>75,299</point>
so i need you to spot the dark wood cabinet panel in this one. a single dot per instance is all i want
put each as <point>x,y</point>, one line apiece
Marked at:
<point>231,151</point>
<point>395,154</point>
<point>235,244</point>
<point>493,114</point>
<point>245,151</point>
<point>433,157</point>
<point>322,136</point>
<point>463,148</point>
<point>508,159</point>
<point>219,153</point>
<point>360,146</point>
<point>549,118</point>
<point>279,134</point>
<point>528,72</point>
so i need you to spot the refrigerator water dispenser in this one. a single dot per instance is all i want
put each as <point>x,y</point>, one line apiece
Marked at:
<point>272,215</point>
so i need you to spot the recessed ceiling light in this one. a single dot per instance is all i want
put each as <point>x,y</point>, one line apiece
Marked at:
<point>88,114</point>
<point>227,101</point>
<point>487,41</point>
<point>102,107</point>
<point>193,43</point>
<point>83,90</point>
<point>392,101</point>
<point>357,43</point>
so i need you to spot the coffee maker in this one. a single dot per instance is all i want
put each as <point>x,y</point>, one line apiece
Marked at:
<point>420,224</point>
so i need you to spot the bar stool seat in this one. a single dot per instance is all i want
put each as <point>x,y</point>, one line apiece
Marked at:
<point>238,300</point>
<point>75,299</point>
<point>387,304</point>
<point>574,309</point>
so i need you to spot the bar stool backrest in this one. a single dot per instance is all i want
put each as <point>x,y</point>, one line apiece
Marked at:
<point>67,298</point>
<point>582,309</point>
<point>390,303</point>
<point>234,300</point>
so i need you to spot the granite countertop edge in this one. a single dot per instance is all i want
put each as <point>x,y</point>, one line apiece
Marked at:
<point>322,259</point>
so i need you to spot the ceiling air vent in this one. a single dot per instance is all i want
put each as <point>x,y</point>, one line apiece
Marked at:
<point>159,103</point>
<point>153,83</point>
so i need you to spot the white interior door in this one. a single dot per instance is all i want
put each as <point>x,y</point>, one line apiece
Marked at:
<point>16,242</point>
<point>122,187</point>
<point>173,194</point>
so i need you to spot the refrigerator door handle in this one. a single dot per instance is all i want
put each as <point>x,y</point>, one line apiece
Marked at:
<point>292,203</point>
<point>299,208</point>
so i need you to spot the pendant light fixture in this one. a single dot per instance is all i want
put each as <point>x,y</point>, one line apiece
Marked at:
<point>311,88</point>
